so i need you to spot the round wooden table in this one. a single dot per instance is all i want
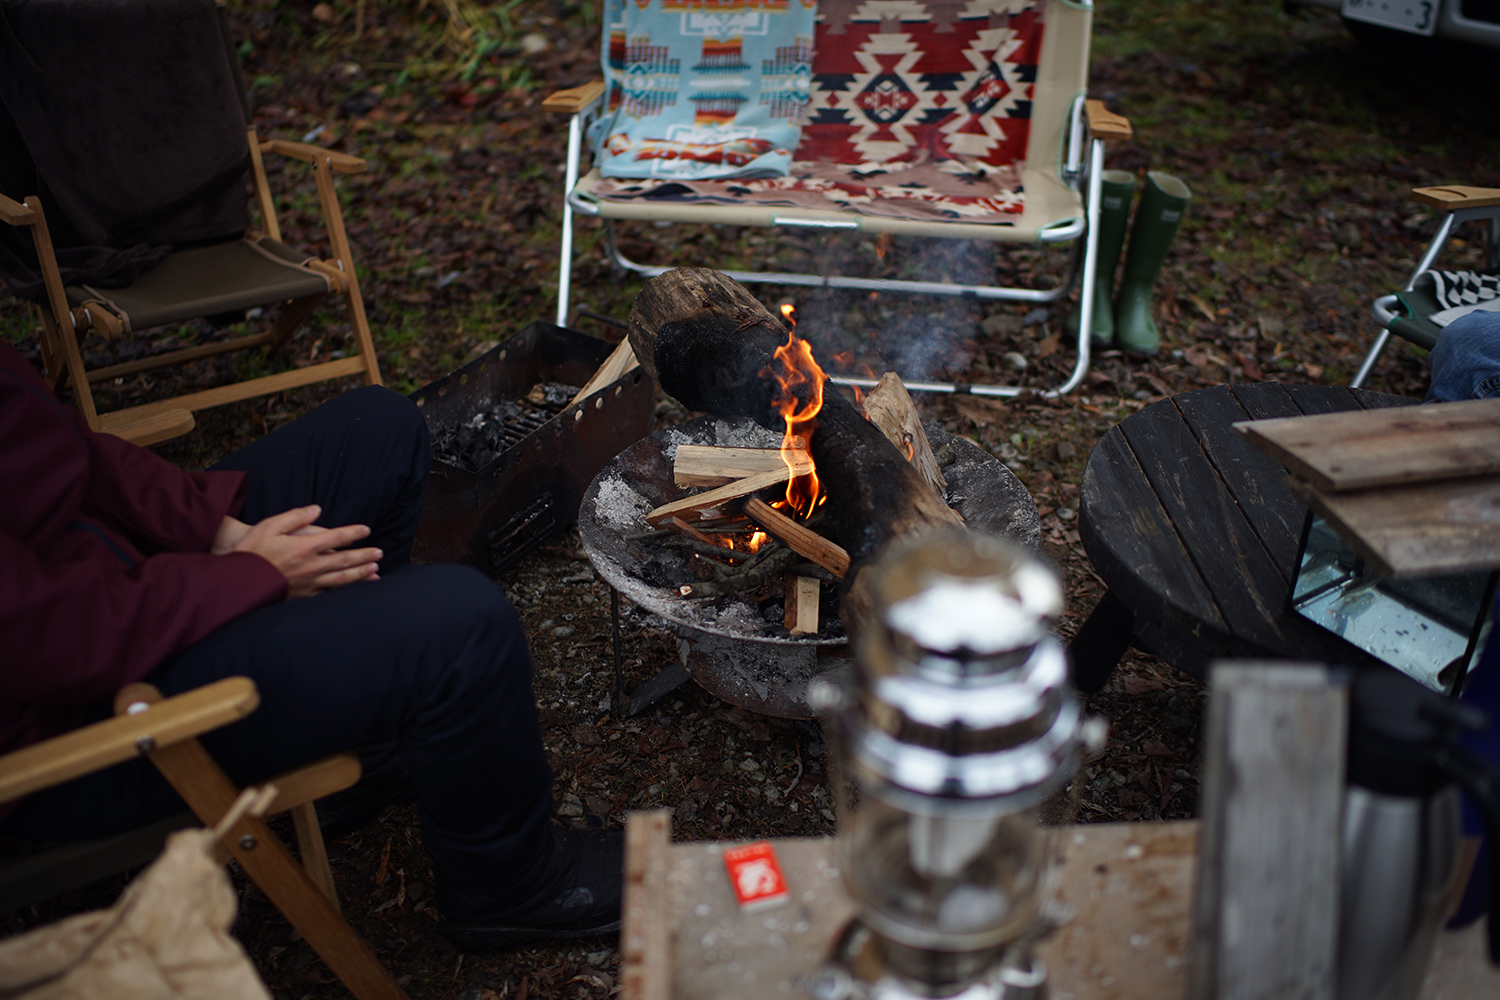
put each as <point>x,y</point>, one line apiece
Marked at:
<point>1196,532</point>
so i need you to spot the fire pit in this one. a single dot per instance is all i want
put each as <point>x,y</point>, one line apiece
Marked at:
<point>736,646</point>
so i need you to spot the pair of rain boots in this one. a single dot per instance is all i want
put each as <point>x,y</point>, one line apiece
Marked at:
<point>1124,319</point>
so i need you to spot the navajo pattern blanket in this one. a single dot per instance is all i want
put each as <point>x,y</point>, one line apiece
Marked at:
<point>918,109</point>
<point>1460,293</point>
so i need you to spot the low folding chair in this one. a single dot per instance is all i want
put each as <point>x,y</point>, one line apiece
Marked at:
<point>1409,313</point>
<point>165,731</point>
<point>141,162</point>
<point>1024,90</point>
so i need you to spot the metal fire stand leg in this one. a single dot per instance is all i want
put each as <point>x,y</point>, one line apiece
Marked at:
<point>664,683</point>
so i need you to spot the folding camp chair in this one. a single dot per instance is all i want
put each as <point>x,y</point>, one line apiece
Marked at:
<point>166,731</point>
<point>1059,165</point>
<point>142,170</point>
<point>1409,313</point>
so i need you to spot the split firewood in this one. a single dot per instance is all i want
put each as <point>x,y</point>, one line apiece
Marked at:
<point>801,615</point>
<point>680,526</point>
<point>714,497</point>
<point>620,361</point>
<point>890,408</point>
<point>797,537</point>
<point>711,344</point>
<point>716,465</point>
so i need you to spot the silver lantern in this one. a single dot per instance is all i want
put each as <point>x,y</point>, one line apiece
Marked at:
<point>957,723</point>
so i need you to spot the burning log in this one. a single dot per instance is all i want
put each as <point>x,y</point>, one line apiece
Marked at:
<point>710,344</point>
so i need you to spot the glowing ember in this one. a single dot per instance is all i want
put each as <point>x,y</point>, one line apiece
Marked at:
<point>799,398</point>
<point>757,539</point>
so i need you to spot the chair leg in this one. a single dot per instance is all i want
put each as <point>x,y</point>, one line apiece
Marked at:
<point>1100,643</point>
<point>1368,365</point>
<point>314,852</point>
<point>292,316</point>
<point>339,241</point>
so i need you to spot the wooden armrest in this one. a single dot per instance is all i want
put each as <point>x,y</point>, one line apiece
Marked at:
<point>341,162</point>
<point>574,99</point>
<point>115,740</point>
<point>14,213</point>
<point>310,783</point>
<point>1454,196</point>
<point>1104,123</point>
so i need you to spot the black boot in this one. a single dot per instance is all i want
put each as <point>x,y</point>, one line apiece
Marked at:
<point>571,892</point>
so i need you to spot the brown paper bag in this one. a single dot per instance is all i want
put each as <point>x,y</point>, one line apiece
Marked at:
<point>166,937</point>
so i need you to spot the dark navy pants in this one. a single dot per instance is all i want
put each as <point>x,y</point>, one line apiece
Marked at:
<point>431,657</point>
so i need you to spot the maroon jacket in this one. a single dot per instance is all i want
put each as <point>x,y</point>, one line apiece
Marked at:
<point>104,563</point>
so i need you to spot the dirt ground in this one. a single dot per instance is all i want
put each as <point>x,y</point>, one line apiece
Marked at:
<point>1300,146</point>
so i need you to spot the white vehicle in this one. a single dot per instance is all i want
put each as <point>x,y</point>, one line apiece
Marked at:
<point>1476,22</point>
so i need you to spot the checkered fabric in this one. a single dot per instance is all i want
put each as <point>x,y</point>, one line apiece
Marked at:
<point>1460,293</point>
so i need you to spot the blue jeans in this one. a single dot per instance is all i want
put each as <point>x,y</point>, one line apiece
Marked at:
<point>1466,359</point>
<point>430,658</point>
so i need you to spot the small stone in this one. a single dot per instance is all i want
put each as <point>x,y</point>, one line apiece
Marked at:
<point>1065,451</point>
<point>1065,514</point>
<point>1015,361</point>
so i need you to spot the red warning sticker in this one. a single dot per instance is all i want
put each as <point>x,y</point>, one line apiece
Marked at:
<point>755,875</point>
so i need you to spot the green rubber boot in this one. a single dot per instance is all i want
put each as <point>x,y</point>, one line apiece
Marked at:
<point>1114,216</point>
<point>1163,201</point>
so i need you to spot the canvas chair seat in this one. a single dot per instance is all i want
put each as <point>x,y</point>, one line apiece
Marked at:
<point>1051,213</point>
<point>1408,313</point>
<point>207,281</point>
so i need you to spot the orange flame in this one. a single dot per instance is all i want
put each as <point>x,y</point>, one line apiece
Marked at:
<point>757,539</point>
<point>799,399</point>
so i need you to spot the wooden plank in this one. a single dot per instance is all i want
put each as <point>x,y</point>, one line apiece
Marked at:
<point>800,538</point>
<point>1255,478</point>
<point>263,386</point>
<point>320,778</point>
<point>1265,913</point>
<point>714,497</point>
<point>646,951</point>
<point>1312,399</point>
<point>1421,529</point>
<point>717,465</point>
<point>574,99</point>
<point>118,739</point>
<point>1104,123</point>
<point>1451,197</point>
<point>1129,537</point>
<point>1364,448</point>
<point>1246,585</point>
<point>802,592</point>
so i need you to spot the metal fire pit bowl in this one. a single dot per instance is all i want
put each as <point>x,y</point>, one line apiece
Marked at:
<point>492,512</point>
<point>729,645</point>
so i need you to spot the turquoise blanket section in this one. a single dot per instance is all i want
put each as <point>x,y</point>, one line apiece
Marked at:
<point>703,89</point>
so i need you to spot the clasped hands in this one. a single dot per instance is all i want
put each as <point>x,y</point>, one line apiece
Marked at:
<point>311,558</point>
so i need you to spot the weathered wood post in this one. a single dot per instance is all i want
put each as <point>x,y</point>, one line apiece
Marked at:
<point>1265,913</point>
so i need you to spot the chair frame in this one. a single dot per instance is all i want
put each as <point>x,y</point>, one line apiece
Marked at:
<point>165,731</point>
<point>1079,164</point>
<point>1459,204</point>
<point>63,328</point>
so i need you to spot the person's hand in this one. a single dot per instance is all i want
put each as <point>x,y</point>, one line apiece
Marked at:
<point>311,558</point>
<point>231,530</point>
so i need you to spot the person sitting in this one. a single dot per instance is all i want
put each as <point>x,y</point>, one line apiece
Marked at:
<point>288,563</point>
<point>1466,359</point>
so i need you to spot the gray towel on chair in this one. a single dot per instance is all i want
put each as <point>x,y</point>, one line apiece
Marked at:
<point>1460,293</point>
<point>124,117</point>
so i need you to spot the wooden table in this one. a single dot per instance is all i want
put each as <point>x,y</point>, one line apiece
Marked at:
<point>1195,532</point>
<point>1128,887</point>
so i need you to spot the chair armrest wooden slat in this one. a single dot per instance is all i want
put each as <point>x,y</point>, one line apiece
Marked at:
<point>310,783</point>
<point>574,99</point>
<point>115,740</point>
<point>15,213</point>
<point>1104,123</point>
<point>1454,196</point>
<point>341,162</point>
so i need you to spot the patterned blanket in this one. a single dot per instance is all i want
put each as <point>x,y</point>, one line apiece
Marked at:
<point>917,109</point>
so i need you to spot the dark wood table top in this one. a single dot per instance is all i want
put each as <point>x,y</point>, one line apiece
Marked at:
<point>1196,532</point>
